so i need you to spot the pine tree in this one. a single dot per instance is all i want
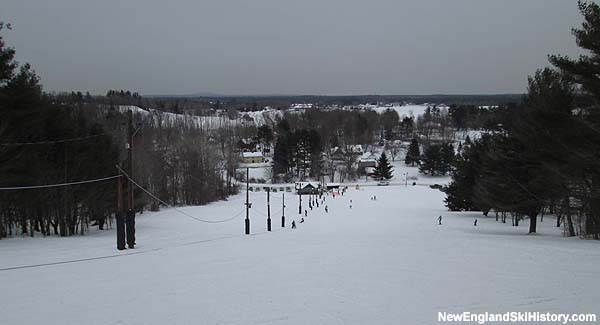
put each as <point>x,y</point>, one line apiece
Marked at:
<point>430,161</point>
<point>438,159</point>
<point>316,157</point>
<point>281,155</point>
<point>547,106</point>
<point>413,153</point>
<point>448,158</point>
<point>265,136</point>
<point>389,120</point>
<point>407,125</point>
<point>384,169</point>
<point>504,178</point>
<point>7,63</point>
<point>460,191</point>
<point>29,115</point>
<point>585,73</point>
<point>427,116</point>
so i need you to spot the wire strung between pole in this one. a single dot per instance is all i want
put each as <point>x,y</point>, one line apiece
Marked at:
<point>265,215</point>
<point>52,141</point>
<point>175,208</point>
<point>261,213</point>
<point>57,185</point>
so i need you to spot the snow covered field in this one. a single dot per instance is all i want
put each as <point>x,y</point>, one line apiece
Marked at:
<point>406,110</point>
<point>266,116</point>
<point>381,262</point>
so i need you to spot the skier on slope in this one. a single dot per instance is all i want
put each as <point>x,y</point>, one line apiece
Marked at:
<point>475,223</point>
<point>302,220</point>
<point>326,209</point>
<point>439,220</point>
<point>293,224</point>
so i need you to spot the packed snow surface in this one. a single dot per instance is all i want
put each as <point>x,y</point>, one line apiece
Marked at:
<point>406,110</point>
<point>266,116</point>
<point>383,261</point>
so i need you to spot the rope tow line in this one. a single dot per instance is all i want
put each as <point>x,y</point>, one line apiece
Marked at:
<point>173,207</point>
<point>52,141</point>
<point>58,185</point>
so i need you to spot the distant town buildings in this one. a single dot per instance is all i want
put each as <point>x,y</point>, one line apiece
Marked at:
<point>253,157</point>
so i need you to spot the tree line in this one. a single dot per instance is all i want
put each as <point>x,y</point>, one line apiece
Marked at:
<point>545,157</point>
<point>71,137</point>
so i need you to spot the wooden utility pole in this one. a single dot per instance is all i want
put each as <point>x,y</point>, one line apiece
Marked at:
<point>299,200</point>
<point>119,195</point>
<point>283,211</point>
<point>130,201</point>
<point>247,222</point>
<point>66,190</point>
<point>119,216</point>
<point>268,209</point>
<point>130,220</point>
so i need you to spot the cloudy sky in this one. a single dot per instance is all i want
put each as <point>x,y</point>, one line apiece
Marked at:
<point>326,47</point>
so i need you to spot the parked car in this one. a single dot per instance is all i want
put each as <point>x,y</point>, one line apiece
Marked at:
<point>383,183</point>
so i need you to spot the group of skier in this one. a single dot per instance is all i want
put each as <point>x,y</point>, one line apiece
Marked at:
<point>312,203</point>
<point>440,221</point>
<point>322,202</point>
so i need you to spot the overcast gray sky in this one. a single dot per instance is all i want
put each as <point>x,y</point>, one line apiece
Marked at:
<point>326,47</point>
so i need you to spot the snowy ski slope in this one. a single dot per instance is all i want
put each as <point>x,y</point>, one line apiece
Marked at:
<point>381,262</point>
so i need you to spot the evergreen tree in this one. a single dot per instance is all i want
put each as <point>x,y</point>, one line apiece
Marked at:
<point>526,168</point>
<point>27,116</point>
<point>505,180</point>
<point>383,170</point>
<point>282,155</point>
<point>448,158</point>
<point>430,162</point>
<point>283,127</point>
<point>407,125</point>
<point>265,136</point>
<point>438,159</point>
<point>427,116</point>
<point>460,191</point>
<point>7,63</point>
<point>546,129</point>
<point>584,149</point>
<point>413,153</point>
<point>389,120</point>
<point>458,114</point>
<point>316,156</point>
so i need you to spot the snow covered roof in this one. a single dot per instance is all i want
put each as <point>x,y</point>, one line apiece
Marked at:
<point>301,106</point>
<point>367,156</point>
<point>301,185</point>
<point>255,154</point>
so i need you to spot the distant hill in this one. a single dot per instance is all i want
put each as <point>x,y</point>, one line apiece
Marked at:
<point>195,95</point>
<point>492,99</point>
